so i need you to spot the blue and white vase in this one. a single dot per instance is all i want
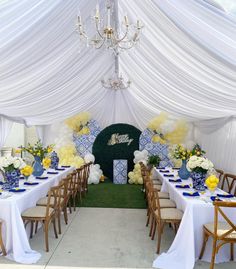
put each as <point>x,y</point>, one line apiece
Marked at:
<point>199,180</point>
<point>54,160</point>
<point>183,171</point>
<point>11,179</point>
<point>37,166</point>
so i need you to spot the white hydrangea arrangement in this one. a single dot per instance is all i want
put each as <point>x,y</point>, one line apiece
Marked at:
<point>9,163</point>
<point>199,164</point>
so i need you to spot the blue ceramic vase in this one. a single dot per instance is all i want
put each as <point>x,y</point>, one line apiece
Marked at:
<point>54,160</point>
<point>199,180</point>
<point>38,168</point>
<point>11,179</point>
<point>183,171</point>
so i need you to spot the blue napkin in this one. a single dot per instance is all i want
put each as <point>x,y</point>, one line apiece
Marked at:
<point>175,180</point>
<point>1,182</point>
<point>52,173</point>
<point>42,177</point>
<point>164,171</point>
<point>31,183</point>
<point>225,195</point>
<point>175,168</point>
<point>65,166</point>
<point>195,194</point>
<point>182,186</point>
<point>60,169</point>
<point>17,190</point>
<point>214,198</point>
<point>168,175</point>
<point>22,177</point>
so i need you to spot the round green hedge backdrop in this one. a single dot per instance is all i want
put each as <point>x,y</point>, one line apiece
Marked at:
<point>123,139</point>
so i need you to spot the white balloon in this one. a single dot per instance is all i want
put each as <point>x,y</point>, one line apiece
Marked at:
<point>89,158</point>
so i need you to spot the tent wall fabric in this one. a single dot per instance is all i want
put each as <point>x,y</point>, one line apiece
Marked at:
<point>185,64</point>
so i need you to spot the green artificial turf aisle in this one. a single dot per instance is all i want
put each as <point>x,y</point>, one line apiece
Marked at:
<point>107,195</point>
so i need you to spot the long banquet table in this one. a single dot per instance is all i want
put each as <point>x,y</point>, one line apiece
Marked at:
<point>15,235</point>
<point>187,243</point>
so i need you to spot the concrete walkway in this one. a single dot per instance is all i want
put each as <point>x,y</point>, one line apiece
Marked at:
<point>101,237</point>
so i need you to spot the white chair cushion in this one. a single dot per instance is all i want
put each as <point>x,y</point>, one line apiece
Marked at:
<point>157,187</point>
<point>43,201</point>
<point>166,203</point>
<point>36,211</point>
<point>163,195</point>
<point>222,228</point>
<point>157,182</point>
<point>170,214</point>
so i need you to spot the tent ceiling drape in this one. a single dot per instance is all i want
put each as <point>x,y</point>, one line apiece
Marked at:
<point>185,63</point>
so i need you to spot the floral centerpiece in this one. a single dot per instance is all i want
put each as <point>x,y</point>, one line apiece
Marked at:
<point>197,150</point>
<point>199,166</point>
<point>10,167</point>
<point>179,152</point>
<point>39,152</point>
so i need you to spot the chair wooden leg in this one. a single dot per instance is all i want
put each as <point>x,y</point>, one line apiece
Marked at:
<point>36,227</point>
<point>54,227</point>
<point>31,228</point>
<point>205,239</point>
<point>213,254</point>
<point>152,224</point>
<point>231,251</point>
<point>1,242</point>
<point>46,225</point>
<point>159,228</point>
<point>65,215</point>
<point>74,202</point>
<point>154,230</point>
<point>59,221</point>
<point>148,219</point>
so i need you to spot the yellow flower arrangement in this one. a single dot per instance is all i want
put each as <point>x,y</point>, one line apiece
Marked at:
<point>27,170</point>
<point>79,123</point>
<point>212,182</point>
<point>46,163</point>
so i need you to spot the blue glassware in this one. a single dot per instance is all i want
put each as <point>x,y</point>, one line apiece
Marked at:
<point>38,168</point>
<point>54,160</point>
<point>11,179</point>
<point>183,171</point>
<point>199,180</point>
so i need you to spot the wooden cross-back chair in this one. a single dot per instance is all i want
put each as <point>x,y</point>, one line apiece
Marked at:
<point>162,216</point>
<point>229,183</point>
<point>220,174</point>
<point>221,232</point>
<point>45,214</point>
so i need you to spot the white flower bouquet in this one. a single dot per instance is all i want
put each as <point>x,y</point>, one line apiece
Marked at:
<point>199,164</point>
<point>9,163</point>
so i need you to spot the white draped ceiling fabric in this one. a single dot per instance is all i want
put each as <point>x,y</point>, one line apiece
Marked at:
<point>185,64</point>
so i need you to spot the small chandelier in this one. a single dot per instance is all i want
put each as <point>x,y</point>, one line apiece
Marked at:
<point>116,83</point>
<point>108,35</point>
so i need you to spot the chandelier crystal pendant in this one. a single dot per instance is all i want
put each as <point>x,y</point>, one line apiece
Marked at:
<point>116,83</point>
<point>107,33</point>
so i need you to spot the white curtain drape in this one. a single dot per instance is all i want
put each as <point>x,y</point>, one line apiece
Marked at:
<point>185,64</point>
<point>48,77</point>
<point>5,128</point>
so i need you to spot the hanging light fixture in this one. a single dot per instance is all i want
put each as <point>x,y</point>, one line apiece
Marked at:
<point>107,33</point>
<point>116,82</point>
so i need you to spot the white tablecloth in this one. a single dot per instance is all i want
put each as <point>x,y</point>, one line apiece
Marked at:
<point>14,233</point>
<point>187,244</point>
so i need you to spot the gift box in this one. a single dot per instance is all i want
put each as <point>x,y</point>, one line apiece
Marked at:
<point>120,168</point>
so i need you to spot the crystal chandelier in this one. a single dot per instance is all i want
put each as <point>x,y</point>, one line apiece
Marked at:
<point>116,83</point>
<point>107,33</point>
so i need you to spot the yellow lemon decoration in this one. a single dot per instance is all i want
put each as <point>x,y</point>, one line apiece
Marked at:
<point>212,182</point>
<point>27,170</point>
<point>46,163</point>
